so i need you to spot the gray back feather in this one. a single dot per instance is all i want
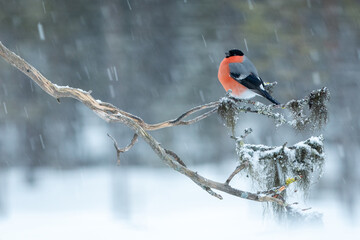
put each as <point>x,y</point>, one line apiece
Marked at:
<point>243,69</point>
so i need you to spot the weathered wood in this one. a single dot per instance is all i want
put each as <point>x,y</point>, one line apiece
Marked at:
<point>110,113</point>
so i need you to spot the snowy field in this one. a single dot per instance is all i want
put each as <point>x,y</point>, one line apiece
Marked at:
<point>144,203</point>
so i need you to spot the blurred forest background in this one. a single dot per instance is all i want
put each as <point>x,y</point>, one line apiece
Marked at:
<point>157,59</point>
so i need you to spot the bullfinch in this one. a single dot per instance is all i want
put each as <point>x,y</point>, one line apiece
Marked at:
<point>238,73</point>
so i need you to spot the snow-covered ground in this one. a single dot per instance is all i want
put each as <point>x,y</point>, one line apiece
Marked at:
<point>144,203</point>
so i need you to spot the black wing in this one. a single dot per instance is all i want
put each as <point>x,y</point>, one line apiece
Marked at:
<point>239,73</point>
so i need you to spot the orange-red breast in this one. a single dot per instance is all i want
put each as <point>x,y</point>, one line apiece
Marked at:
<point>238,73</point>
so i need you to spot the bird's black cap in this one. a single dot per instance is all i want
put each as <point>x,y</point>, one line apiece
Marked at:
<point>234,52</point>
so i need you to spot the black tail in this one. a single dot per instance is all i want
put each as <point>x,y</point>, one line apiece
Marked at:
<point>266,95</point>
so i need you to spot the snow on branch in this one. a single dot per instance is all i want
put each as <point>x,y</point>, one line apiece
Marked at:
<point>309,111</point>
<point>272,166</point>
<point>314,105</point>
<point>273,169</point>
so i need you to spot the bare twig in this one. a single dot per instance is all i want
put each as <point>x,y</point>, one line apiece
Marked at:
<point>125,149</point>
<point>118,151</point>
<point>131,144</point>
<point>179,120</point>
<point>236,171</point>
<point>111,113</point>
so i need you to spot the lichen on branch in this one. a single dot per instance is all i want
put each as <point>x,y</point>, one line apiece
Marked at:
<point>310,112</point>
<point>272,167</point>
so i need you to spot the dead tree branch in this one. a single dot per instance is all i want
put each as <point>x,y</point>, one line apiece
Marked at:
<point>236,171</point>
<point>125,149</point>
<point>110,113</point>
